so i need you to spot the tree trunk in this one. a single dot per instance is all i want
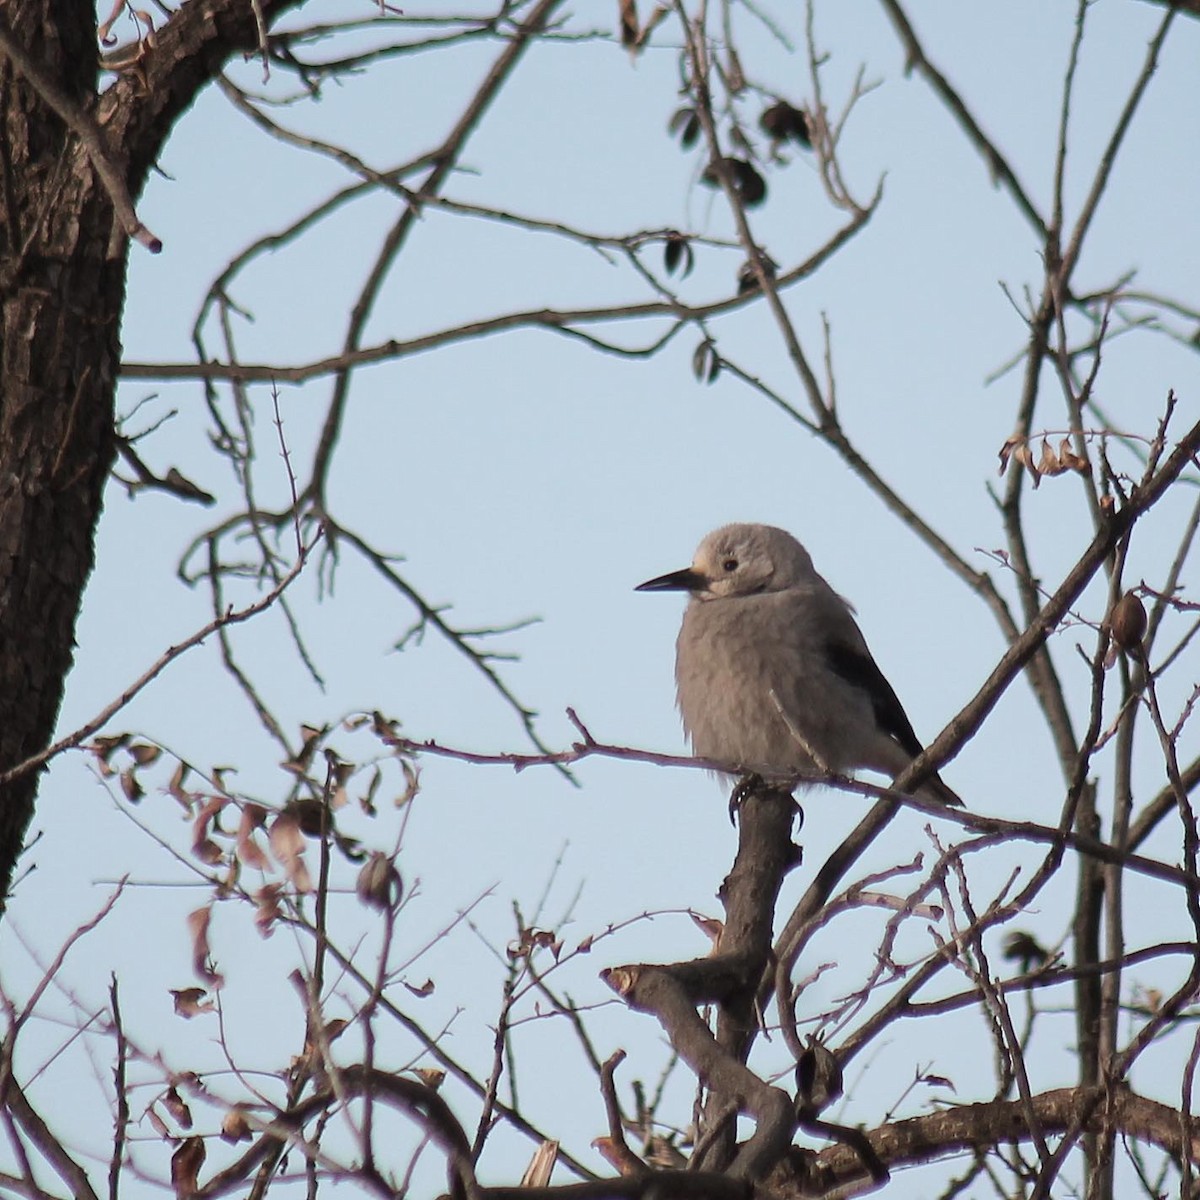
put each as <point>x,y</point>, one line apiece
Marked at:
<point>62,287</point>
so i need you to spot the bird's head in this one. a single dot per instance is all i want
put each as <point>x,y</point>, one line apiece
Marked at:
<point>739,560</point>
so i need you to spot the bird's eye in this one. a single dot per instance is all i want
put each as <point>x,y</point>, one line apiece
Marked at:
<point>730,564</point>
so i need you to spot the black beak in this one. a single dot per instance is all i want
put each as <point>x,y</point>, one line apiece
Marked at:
<point>686,580</point>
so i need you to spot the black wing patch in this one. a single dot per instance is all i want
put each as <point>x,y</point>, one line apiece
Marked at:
<point>858,669</point>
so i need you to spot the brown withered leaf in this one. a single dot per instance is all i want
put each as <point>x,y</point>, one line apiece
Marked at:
<point>104,748</point>
<point>431,1077</point>
<point>378,884</point>
<point>144,753</point>
<point>191,1002</point>
<point>310,738</point>
<point>938,1081</point>
<point>203,847</point>
<point>412,782</point>
<point>175,787</point>
<point>340,773</point>
<point>387,729</point>
<point>174,1104</point>
<point>218,774</point>
<point>235,1127</point>
<point>628,23</point>
<point>254,816</point>
<point>1070,460</point>
<point>266,910</point>
<point>585,946</point>
<point>287,847</point>
<point>159,1125</point>
<point>1016,449</point>
<point>185,1167</point>
<point>197,922</point>
<point>367,802</point>
<point>130,786</point>
<point>425,989</point>
<point>1051,461</point>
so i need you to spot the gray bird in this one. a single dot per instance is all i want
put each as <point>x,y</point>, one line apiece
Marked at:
<point>772,670</point>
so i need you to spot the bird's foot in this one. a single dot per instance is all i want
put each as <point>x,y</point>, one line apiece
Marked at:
<point>742,791</point>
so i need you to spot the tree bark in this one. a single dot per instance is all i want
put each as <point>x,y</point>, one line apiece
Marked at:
<point>63,258</point>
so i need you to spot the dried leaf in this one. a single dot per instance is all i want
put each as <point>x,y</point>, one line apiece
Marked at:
<point>426,989</point>
<point>144,753</point>
<point>130,786</point>
<point>287,846</point>
<point>431,1077</point>
<point>1049,464</point>
<point>218,774</point>
<point>378,884</point>
<point>412,783</point>
<point>1069,459</point>
<point>530,940</point>
<point>104,748</point>
<point>175,787</point>
<point>185,1167</point>
<point>1016,449</point>
<point>367,803</point>
<point>938,1081</point>
<point>190,1002</point>
<point>179,1111</point>
<point>197,922</point>
<point>203,847</point>
<point>235,1127</point>
<point>248,850</point>
<point>628,23</point>
<point>341,773</point>
<point>267,911</point>
<point>159,1125</point>
<point>585,946</point>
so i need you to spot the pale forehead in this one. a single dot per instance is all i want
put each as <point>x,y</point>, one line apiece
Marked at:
<point>747,535</point>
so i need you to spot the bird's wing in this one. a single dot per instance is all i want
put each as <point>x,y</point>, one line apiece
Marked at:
<point>856,666</point>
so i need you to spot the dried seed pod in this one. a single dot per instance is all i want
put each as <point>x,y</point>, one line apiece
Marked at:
<point>750,186</point>
<point>685,125</point>
<point>677,252</point>
<point>1020,946</point>
<point>1127,622</point>
<point>783,122</point>
<point>379,883</point>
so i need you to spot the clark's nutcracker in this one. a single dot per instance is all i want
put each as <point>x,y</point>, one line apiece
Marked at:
<point>773,673</point>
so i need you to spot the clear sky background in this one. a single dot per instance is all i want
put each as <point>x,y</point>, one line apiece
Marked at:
<point>528,475</point>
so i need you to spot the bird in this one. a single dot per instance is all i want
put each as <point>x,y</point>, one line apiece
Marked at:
<point>773,674</point>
